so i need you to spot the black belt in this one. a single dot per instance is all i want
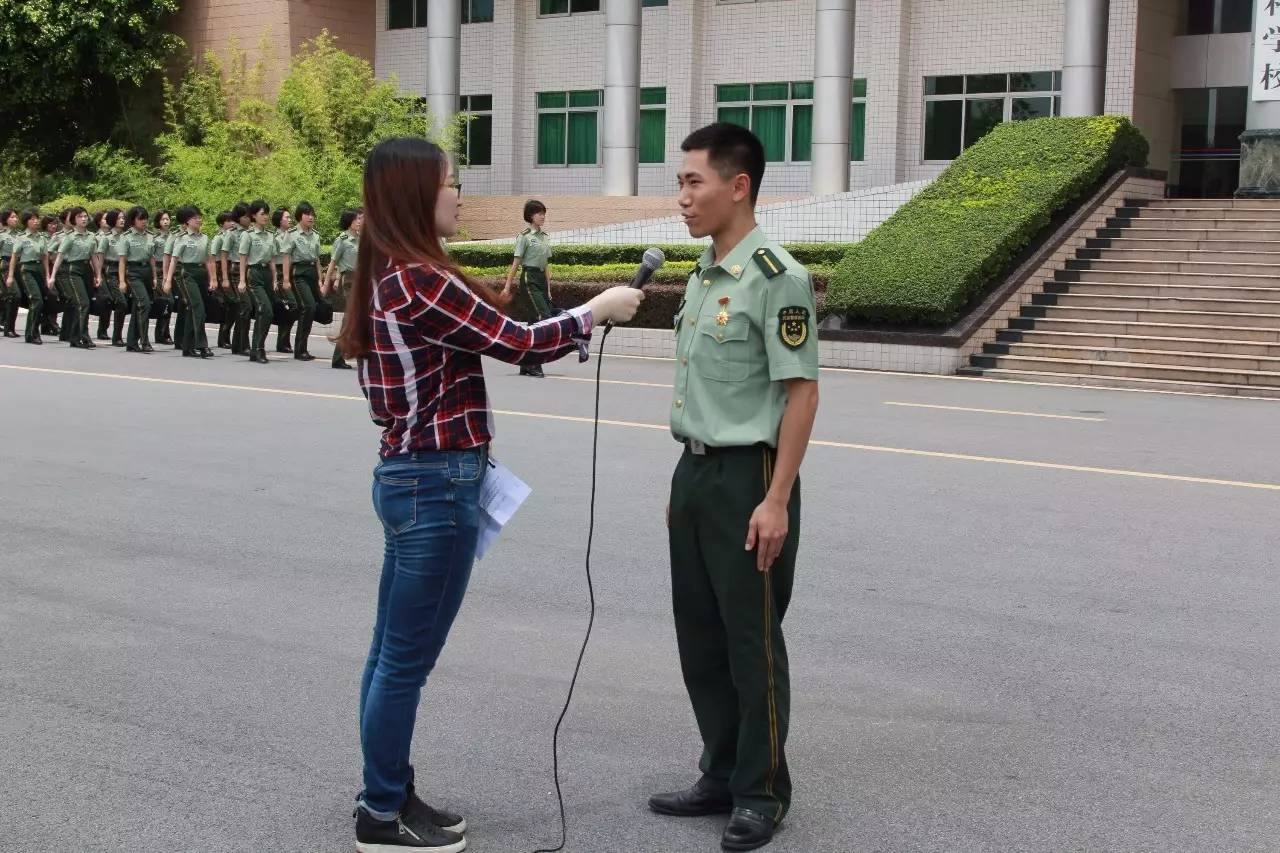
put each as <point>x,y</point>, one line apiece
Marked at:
<point>189,264</point>
<point>261,266</point>
<point>698,448</point>
<point>134,265</point>
<point>26,264</point>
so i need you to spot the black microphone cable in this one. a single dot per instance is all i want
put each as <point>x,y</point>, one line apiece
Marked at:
<point>591,597</point>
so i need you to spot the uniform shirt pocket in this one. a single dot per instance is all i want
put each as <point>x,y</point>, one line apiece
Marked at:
<point>724,354</point>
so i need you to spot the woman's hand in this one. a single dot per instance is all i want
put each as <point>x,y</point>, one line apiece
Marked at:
<point>616,305</point>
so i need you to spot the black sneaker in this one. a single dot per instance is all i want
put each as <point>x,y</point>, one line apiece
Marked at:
<point>417,813</point>
<point>395,836</point>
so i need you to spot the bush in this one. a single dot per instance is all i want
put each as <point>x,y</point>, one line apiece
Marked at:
<point>62,202</point>
<point>940,250</point>
<point>672,272</point>
<point>499,255</point>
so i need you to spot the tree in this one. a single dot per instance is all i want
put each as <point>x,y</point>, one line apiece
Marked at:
<point>69,69</point>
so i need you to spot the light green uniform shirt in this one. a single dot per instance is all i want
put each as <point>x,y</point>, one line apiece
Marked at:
<point>231,242</point>
<point>345,250</point>
<point>281,240</point>
<point>55,242</point>
<point>744,325</point>
<point>533,248</point>
<point>106,246</point>
<point>158,241</point>
<point>168,242</point>
<point>191,247</point>
<point>77,245</point>
<point>30,247</point>
<point>304,246</point>
<point>134,246</point>
<point>7,240</point>
<point>257,245</point>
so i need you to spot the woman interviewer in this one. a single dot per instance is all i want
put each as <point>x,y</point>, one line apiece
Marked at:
<point>417,327</point>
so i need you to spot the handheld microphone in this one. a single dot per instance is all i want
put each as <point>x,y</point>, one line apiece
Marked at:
<point>649,264</point>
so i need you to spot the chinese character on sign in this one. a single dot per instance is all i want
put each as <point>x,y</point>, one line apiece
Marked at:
<point>1273,35</point>
<point>1272,6</point>
<point>1270,76</point>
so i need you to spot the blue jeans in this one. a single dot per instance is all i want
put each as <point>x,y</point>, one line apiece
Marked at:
<point>429,506</point>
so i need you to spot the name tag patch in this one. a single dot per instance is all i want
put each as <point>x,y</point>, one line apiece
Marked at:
<point>793,326</point>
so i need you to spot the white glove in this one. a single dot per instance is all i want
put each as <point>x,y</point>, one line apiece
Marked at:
<point>616,305</point>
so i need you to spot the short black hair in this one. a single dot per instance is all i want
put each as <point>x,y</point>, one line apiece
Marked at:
<point>532,208</point>
<point>304,207</point>
<point>278,216</point>
<point>46,221</point>
<point>259,206</point>
<point>73,213</point>
<point>160,214</point>
<point>731,150</point>
<point>347,218</point>
<point>135,213</point>
<point>4,216</point>
<point>27,216</point>
<point>223,218</point>
<point>240,211</point>
<point>185,213</point>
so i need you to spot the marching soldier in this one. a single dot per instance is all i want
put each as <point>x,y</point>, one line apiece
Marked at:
<point>192,260</point>
<point>9,288</point>
<point>74,260</point>
<point>49,228</point>
<point>240,332</point>
<point>256,251</point>
<point>227,292</point>
<point>283,222</point>
<point>342,263</point>
<point>746,394</point>
<point>26,272</point>
<point>532,251</point>
<point>161,237</point>
<point>114,302</point>
<point>302,270</point>
<point>136,268</point>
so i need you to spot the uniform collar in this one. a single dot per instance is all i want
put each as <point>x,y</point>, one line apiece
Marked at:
<point>734,263</point>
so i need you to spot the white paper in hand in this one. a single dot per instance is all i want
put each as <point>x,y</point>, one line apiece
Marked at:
<point>500,497</point>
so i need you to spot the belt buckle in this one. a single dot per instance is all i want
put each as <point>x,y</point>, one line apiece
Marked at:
<point>697,448</point>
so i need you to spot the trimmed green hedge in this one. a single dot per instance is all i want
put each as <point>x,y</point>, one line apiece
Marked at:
<point>499,255</point>
<point>939,251</point>
<point>672,272</point>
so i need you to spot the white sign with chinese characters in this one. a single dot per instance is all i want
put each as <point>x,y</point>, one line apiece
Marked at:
<point>1266,51</point>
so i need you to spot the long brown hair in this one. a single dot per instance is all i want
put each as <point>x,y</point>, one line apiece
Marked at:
<point>402,179</point>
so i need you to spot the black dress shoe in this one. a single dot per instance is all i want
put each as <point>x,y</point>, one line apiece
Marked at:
<point>304,356</point>
<point>189,353</point>
<point>35,341</point>
<point>103,336</point>
<point>706,797</point>
<point>284,348</point>
<point>117,343</point>
<point>85,343</point>
<point>205,353</point>
<point>133,348</point>
<point>747,830</point>
<point>8,334</point>
<point>342,365</point>
<point>148,348</point>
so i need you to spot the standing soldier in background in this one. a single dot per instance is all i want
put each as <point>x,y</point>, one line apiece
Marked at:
<point>256,251</point>
<point>160,239</point>
<point>53,301</point>
<point>284,294</point>
<point>74,260</point>
<point>240,333</point>
<point>218,249</point>
<point>302,270</point>
<point>342,263</point>
<point>9,234</point>
<point>114,302</point>
<point>191,260</point>
<point>137,272</point>
<point>62,283</point>
<point>26,272</point>
<point>532,252</point>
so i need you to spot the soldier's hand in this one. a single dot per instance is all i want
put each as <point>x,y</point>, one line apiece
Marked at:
<point>243,287</point>
<point>766,532</point>
<point>168,288</point>
<point>286,285</point>
<point>124,288</point>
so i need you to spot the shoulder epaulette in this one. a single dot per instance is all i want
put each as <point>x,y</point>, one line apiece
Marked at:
<point>697,270</point>
<point>526,231</point>
<point>768,263</point>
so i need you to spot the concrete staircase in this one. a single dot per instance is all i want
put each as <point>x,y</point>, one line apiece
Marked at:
<point>1172,295</point>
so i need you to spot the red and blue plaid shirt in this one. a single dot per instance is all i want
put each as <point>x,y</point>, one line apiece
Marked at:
<point>423,376</point>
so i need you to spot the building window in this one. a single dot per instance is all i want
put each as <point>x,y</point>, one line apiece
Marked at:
<point>858,122</point>
<point>406,14</point>
<point>780,114</point>
<point>477,11</point>
<point>961,109</point>
<point>1209,17</point>
<point>567,128</point>
<point>649,3</point>
<point>653,125</point>
<point>477,141</point>
<point>567,7</point>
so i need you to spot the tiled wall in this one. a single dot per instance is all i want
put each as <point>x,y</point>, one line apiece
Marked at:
<point>691,45</point>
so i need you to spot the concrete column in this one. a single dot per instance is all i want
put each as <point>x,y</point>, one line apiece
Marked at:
<point>832,96</point>
<point>621,96</point>
<point>444,48</point>
<point>1084,57</point>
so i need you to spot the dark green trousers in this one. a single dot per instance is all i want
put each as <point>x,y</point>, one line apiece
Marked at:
<point>66,293</point>
<point>290,298</point>
<point>534,287</point>
<point>304,286</point>
<point>244,316</point>
<point>195,281</point>
<point>340,293</point>
<point>114,303</point>
<point>139,278</point>
<point>79,277</point>
<point>10,296</point>
<point>260,297</point>
<point>230,297</point>
<point>31,274</point>
<point>728,619</point>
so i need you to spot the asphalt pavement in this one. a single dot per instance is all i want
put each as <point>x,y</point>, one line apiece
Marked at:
<point>1026,618</point>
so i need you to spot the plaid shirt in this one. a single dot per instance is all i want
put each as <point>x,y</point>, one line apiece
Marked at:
<point>423,376</point>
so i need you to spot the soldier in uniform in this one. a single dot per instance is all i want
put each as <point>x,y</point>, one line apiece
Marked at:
<point>256,251</point>
<point>74,259</point>
<point>49,227</point>
<point>745,398</point>
<point>218,249</point>
<point>26,272</point>
<point>62,284</point>
<point>163,223</point>
<point>9,288</point>
<point>342,263</point>
<point>283,222</point>
<point>136,268</point>
<point>194,264</point>
<point>302,270</point>
<point>240,331</point>
<point>115,304</point>
<point>532,251</point>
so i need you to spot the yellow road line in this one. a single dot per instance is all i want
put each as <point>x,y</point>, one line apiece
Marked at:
<point>842,445</point>
<point>994,411</point>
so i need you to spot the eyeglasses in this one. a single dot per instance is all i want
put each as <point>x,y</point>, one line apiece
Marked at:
<point>455,185</point>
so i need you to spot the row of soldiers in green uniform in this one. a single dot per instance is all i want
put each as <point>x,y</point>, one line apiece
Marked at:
<point>136,267</point>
